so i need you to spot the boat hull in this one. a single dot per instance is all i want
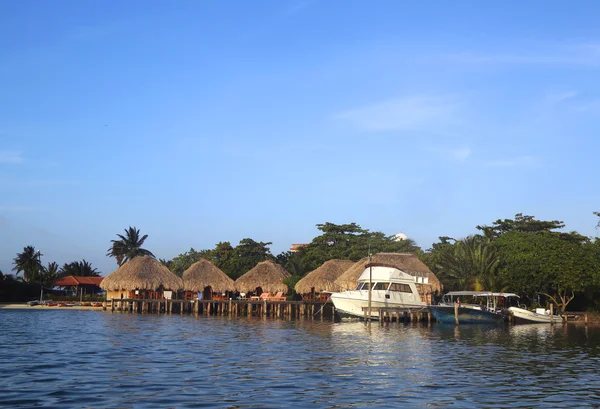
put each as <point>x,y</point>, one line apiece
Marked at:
<point>355,307</point>
<point>445,314</point>
<point>522,316</point>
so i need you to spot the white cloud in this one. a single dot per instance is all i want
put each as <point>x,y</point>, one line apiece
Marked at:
<point>561,96</point>
<point>408,113</point>
<point>520,161</point>
<point>10,157</point>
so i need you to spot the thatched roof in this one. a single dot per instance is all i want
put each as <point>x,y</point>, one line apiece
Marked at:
<point>142,273</point>
<point>323,278</point>
<point>202,274</point>
<point>266,275</point>
<point>407,262</point>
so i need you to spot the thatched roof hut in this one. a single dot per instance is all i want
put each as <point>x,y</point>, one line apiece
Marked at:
<point>323,278</point>
<point>204,274</point>
<point>142,273</point>
<point>267,275</point>
<point>407,262</point>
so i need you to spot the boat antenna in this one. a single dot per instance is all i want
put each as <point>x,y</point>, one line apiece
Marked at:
<point>370,283</point>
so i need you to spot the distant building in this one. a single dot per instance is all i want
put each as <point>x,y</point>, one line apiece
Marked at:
<point>400,237</point>
<point>296,247</point>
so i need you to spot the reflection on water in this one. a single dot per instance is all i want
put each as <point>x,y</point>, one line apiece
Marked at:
<point>74,359</point>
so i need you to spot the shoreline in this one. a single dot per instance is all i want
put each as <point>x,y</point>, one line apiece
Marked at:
<point>24,306</point>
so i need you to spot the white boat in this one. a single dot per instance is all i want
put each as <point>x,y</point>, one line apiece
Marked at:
<point>540,315</point>
<point>391,288</point>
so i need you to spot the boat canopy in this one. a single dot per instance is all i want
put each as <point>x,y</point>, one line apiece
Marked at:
<point>380,273</point>
<point>481,294</point>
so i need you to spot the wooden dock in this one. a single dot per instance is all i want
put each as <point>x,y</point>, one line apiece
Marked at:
<point>395,314</point>
<point>265,308</point>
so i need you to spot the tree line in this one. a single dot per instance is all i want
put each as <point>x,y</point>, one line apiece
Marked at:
<point>530,257</point>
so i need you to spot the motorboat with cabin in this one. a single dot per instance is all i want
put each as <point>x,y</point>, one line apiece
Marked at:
<point>390,288</point>
<point>474,307</point>
<point>539,316</point>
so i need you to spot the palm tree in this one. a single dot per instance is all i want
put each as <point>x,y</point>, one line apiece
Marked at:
<point>472,263</point>
<point>29,262</point>
<point>128,246</point>
<point>50,272</point>
<point>78,268</point>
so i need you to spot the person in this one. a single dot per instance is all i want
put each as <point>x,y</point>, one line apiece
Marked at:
<point>458,301</point>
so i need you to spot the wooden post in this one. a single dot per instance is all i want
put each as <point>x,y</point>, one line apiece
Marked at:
<point>112,305</point>
<point>551,314</point>
<point>428,317</point>
<point>585,319</point>
<point>456,313</point>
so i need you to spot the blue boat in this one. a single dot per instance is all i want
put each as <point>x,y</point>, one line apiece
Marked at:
<point>473,307</point>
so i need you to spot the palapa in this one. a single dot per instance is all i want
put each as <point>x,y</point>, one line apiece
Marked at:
<point>203,274</point>
<point>142,273</point>
<point>267,275</point>
<point>407,262</point>
<point>323,278</point>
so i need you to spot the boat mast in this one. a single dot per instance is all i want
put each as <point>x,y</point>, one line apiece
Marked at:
<point>370,284</point>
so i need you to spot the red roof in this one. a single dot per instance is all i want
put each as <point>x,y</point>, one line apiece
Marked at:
<point>77,281</point>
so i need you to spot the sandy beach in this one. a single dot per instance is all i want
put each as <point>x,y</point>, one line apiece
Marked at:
<point>47,307</point>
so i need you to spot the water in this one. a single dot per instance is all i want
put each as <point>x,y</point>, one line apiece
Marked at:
<point>91,359</point>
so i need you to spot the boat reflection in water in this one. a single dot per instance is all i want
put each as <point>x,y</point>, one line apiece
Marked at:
<point>474,307</point>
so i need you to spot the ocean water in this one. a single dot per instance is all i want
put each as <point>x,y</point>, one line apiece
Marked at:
<point>93,359</point>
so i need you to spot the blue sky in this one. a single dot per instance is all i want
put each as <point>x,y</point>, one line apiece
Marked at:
<point>208,121</point>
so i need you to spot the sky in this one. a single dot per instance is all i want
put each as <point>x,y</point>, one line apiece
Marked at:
<point>207,121</point>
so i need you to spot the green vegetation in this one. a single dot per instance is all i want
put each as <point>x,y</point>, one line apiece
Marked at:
<point>525,256</point>
<point>522,255</point>
<point>128,246</point>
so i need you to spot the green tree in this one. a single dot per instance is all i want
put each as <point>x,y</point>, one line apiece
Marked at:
<point>349,242</point>
<point>78,268</point>
<point>50,273</point>
<point>128,246</point>
<point>225,257</point>
<point>548,263</point>
<point>29,263</point>
<point>184,261</point>
<point>470,264</point>
<point>248,253</point>
<point>520,223</point>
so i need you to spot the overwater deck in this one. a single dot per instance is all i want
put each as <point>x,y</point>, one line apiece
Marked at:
<point>268,308</point>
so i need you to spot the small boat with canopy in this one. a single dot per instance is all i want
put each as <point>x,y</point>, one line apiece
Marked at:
<point>475,307</point>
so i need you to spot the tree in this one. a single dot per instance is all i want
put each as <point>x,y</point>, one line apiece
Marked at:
<point>548,263</point>
<point>597,214</point>
<point>29,263</point>
<point>50,273</point>
<point>128,246</point>
<point>520,223</point>
<point>78,268</point>
<point>469,264</point>
<point>248,253</point>
<point>349,242</point>
<point>183,261</point>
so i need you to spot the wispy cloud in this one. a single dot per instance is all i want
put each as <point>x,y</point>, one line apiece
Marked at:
<point>296,8</point>
<point>555,54</point>
<point>561,96</point>
<point>520,161</point>
<point>408,113</point>
<point>10,157</point>
<point>456,154</point>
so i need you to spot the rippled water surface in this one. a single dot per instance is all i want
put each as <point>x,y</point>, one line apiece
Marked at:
<point>93,359</point>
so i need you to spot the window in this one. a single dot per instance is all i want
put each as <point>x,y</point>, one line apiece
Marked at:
<point>381,286</point>
<point>403,288</point>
